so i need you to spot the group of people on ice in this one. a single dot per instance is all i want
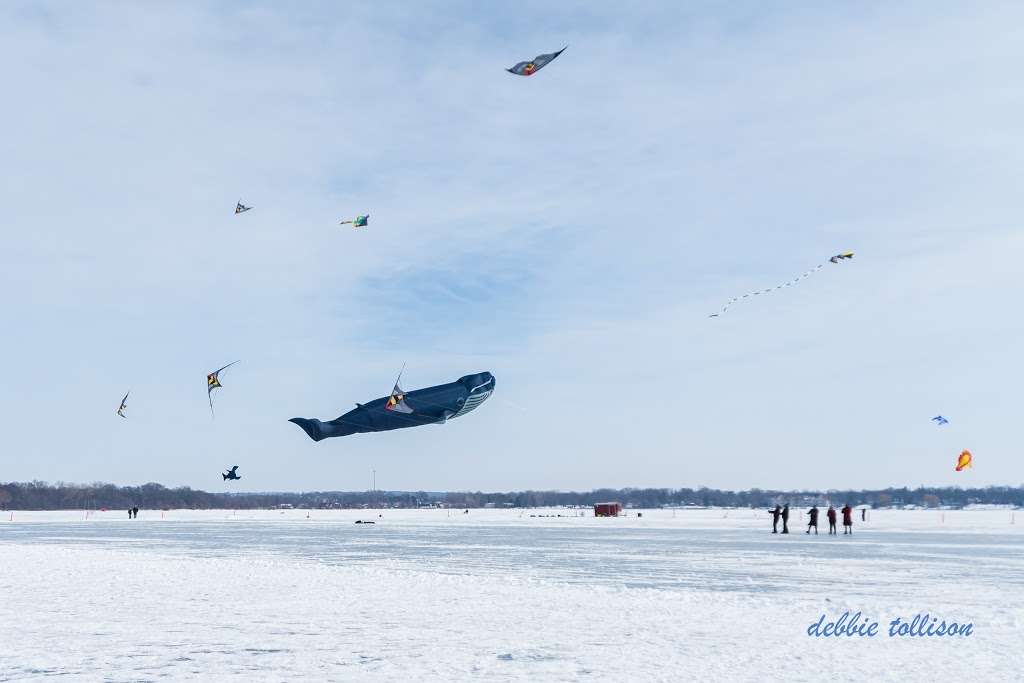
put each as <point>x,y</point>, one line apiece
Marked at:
<point>783,513</point>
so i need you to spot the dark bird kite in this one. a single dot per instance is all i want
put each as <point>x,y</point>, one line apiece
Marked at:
<point>213,382</point>
<point>124,406</point>
<point>231,474</point>
<point>241,208</point>
<point>846,255</point>
<point>532,67</point>
<point>939,420</point>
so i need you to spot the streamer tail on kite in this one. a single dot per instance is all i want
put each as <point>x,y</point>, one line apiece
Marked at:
<point>536,64</point>
<point>846,255</point>
<point>964,461</point>
<point>213,382</point>
<point>241,208</point>
<point>124,406</point>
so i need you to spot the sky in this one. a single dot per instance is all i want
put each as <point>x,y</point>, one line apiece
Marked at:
<point>569,232</point>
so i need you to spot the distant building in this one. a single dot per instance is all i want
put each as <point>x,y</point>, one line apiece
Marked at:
<point>607,509</point>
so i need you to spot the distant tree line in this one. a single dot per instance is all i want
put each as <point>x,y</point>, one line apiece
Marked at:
<point>38,495</point>
<point>705,497</point>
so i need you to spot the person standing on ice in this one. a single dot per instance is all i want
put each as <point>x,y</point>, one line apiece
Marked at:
<point>813,512</point>
<point>831,520</point>
<point>129,513</point>
<point>847,519</point>
<point>776,513</point>
<point>785,519</point>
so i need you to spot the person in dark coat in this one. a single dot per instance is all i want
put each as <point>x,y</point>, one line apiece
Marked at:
<point>776,513</point>
<point>847,519</point>
<point>831,520</point>
<point>785,519</point>
<point>135,511</point>
<point>813,512</point>
<point>129,513</point>
<point>863,514</point>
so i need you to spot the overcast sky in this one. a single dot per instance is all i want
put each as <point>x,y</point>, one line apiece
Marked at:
<point>569,232</point>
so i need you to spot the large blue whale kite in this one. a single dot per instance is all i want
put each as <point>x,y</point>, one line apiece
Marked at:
<point>433,405</point>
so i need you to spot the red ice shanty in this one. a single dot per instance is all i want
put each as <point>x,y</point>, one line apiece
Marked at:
<point>607,509</point>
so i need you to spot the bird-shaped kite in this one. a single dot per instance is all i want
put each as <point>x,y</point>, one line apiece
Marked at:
<point>124,406</point>
<point>241,208</point>
<point>213,382</point>
<point>357,222</point>
<point>939,420</point>
<point>964,461</point>
<point>806,274</point>
<point>532,67</point>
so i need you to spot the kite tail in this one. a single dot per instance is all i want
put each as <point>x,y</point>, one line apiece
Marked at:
<point>318,431</point>
<point>769,290</point>
<point>312,427</point>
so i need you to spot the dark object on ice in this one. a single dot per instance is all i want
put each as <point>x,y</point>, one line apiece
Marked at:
<point>863,514</point>
<point>776,513</point>
<point>433,405</point>
<point>831,520</point>
<point>231,474</point>
<point>785,519</point>
<point>359,521</point>
<point>847,519</point>
<point>813,512</point>
<point>607,509</point>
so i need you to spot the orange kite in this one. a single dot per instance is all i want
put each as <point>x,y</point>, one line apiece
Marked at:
<point>964,461</point>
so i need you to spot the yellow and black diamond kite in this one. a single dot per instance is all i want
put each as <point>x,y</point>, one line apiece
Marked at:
<point>213,382</point>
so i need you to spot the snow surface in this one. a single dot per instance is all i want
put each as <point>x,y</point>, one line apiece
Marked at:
<point>498,595</point>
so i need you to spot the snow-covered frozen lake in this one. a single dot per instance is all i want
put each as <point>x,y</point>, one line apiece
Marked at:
<point>499,595</point>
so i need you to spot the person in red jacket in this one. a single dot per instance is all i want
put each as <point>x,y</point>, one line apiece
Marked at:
<point>831,520</point>
<point>847,519</point>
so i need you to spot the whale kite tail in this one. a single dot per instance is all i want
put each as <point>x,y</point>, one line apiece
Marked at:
<point>311,427</point>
